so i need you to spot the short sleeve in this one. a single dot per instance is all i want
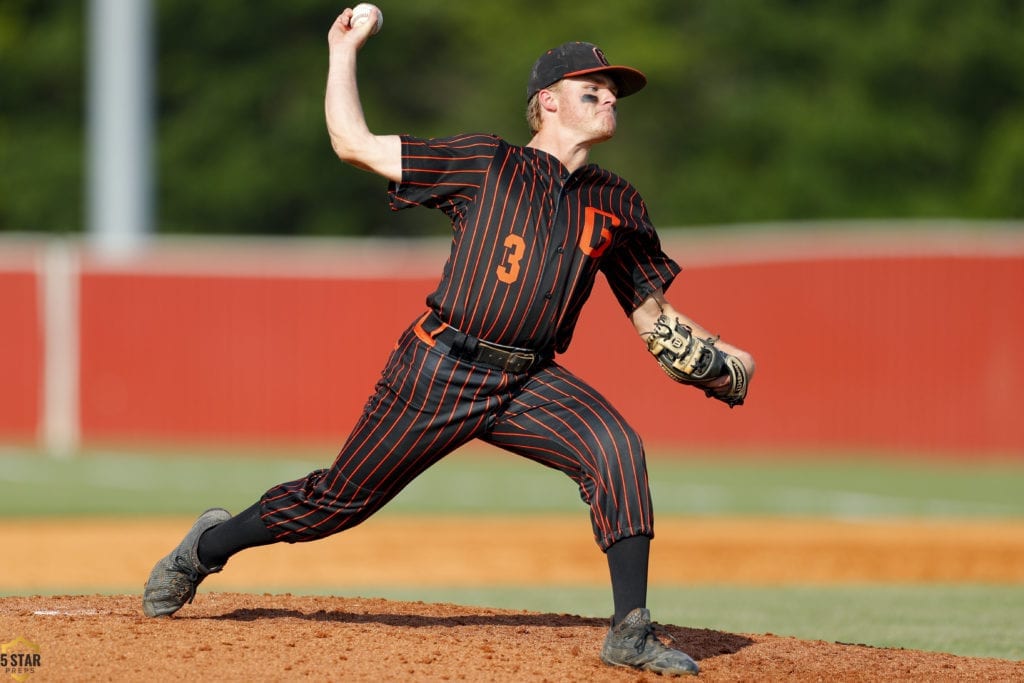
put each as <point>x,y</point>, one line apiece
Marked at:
<point>442,173</point>
<point>637,266</point>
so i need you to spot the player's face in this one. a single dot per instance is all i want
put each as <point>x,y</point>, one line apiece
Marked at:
<point>587,104</point>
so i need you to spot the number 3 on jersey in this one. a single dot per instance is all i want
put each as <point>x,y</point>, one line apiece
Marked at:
<point>508,270</point>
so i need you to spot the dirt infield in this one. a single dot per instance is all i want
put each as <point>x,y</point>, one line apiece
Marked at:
<point>446,551</point>
<point>228,635</point>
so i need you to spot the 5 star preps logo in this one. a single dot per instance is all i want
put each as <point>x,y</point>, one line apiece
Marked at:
<point>20,658</point>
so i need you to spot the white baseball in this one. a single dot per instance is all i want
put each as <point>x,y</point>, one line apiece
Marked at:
<point>361,13</point>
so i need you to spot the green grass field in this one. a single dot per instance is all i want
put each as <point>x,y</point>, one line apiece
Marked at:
<point>978,620</point>
<point>123,483</point>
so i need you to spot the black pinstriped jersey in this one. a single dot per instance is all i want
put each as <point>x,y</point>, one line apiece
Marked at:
<point>529,237</point>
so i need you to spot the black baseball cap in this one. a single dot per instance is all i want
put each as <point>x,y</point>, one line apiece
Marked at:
<point>578,59</point>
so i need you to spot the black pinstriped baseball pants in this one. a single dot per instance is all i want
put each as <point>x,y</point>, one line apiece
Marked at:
<point>429,402</point>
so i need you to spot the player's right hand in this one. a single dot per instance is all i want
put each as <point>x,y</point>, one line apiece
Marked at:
<point>343,33</point>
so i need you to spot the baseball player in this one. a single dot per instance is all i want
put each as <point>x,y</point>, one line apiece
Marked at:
<point>532,227</point>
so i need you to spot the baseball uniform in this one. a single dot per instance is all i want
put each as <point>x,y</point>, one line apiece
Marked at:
<point>528,241</point>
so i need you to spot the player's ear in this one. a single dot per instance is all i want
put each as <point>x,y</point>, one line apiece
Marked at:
<point>548,99</point>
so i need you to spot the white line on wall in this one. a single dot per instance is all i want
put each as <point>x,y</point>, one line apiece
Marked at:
<point>58,273</point>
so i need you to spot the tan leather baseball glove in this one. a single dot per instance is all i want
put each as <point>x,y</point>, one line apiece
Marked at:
<point>688,359</point>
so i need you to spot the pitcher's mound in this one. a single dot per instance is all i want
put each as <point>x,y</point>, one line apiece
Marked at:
<point>235,637</point>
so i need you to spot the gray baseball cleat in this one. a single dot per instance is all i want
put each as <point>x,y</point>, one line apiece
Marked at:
<point>174,579</point>
<point>634,643</point>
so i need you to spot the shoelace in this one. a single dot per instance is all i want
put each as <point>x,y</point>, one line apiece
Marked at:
<point>191,573</point>
<point>653,630</point>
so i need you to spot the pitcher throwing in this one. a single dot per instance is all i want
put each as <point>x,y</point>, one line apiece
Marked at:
<point>532,227</point>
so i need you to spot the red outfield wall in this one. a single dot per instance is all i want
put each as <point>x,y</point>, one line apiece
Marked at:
<point>21,350</point>
<point>857,348</point>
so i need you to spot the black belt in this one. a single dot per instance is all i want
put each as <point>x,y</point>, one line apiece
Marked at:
<point>434,331</point>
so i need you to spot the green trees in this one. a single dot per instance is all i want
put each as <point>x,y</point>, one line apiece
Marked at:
<point>757,110</point>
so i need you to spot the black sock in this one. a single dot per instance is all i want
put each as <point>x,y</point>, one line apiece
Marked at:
<point>627,563</point>
<point>245,530</point>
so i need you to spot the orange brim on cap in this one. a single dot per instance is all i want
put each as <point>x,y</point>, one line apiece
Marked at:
<point>627,79</point>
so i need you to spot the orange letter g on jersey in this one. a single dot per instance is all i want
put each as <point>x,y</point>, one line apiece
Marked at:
<point>590,215</point>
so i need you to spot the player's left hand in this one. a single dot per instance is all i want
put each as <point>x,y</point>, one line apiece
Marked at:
<point>721,370</point>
